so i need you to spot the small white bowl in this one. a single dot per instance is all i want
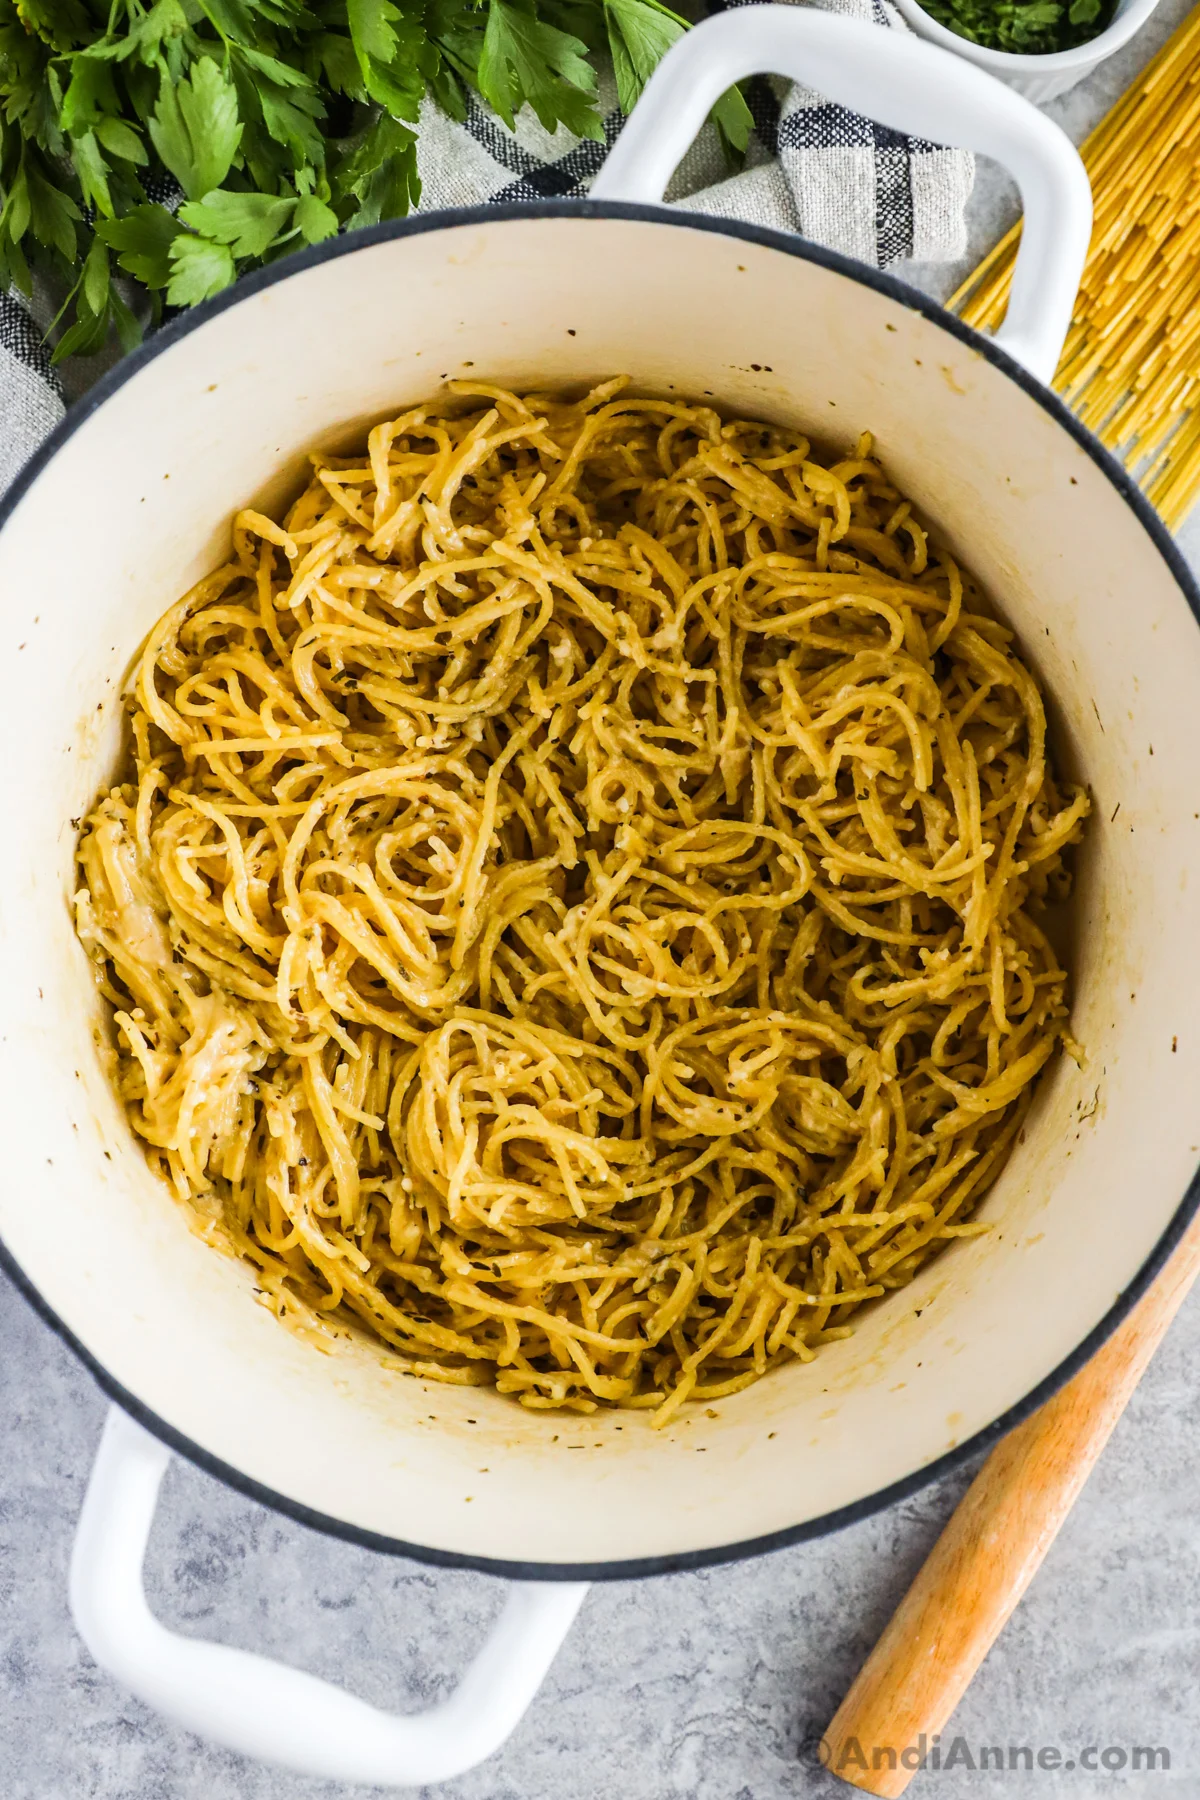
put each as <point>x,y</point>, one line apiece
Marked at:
<point>1040,77</point>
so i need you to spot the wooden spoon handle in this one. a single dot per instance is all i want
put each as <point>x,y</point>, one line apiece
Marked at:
<point>990,1551</point>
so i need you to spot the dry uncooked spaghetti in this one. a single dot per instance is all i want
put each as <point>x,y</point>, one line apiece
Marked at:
<point>571,906</point>
<point>1131,364</point>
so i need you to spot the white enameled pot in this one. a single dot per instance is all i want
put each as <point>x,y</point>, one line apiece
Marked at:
<point>130,503</point>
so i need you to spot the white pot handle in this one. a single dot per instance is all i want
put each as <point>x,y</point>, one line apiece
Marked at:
<point>265,1709</point>
<point>900,81</point>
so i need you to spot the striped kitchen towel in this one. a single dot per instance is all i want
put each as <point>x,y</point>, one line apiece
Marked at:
<point>812,168</point>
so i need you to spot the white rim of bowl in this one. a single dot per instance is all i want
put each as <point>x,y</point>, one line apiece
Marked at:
<point>1105,43</point>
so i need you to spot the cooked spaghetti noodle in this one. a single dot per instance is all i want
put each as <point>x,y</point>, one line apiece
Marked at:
<point>571,906</point>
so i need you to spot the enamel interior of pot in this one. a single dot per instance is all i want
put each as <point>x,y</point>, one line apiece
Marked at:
<point>135,506</point>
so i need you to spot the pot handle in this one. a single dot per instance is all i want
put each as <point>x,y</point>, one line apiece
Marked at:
<point>902,82</point>
<point>266,1709</point>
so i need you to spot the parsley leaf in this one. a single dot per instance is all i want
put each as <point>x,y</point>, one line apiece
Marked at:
<point>195,128</point>
<point>241,20</point>
<point>142,241</point>
<point>379,173</point>
<point>60,23</point>
<point>457,32</point>
<point>314,220</point>
<point>52,214</point>
<point>248,223</point>
<point>372,29</point>
<point>91,92</point>
<point>95,277</point>
<point>84,337</point>
<point>92,171</point>
<point>129,332</point>
<point>734,122</point>
<point>288,104</point>
<point>388,44</point>
<point>147,37</point>
<point>119,139</point>
<point>199,269</point>
<point>16,214</point>
<point>339,65</point>
<point>640,32</point>
<point>527,61</point>
<point>639,35</point>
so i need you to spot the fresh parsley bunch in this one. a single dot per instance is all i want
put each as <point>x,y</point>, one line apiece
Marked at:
<point>282,121</point>
<point>1029,27</point>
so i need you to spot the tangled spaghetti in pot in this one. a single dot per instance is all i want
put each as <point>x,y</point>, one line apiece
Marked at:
<point>571,908</point>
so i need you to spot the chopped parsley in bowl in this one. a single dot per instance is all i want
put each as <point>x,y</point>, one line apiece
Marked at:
<point>1024,27</point>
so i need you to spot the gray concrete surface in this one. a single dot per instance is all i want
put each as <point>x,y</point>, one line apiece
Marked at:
<point>712,1686</point>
